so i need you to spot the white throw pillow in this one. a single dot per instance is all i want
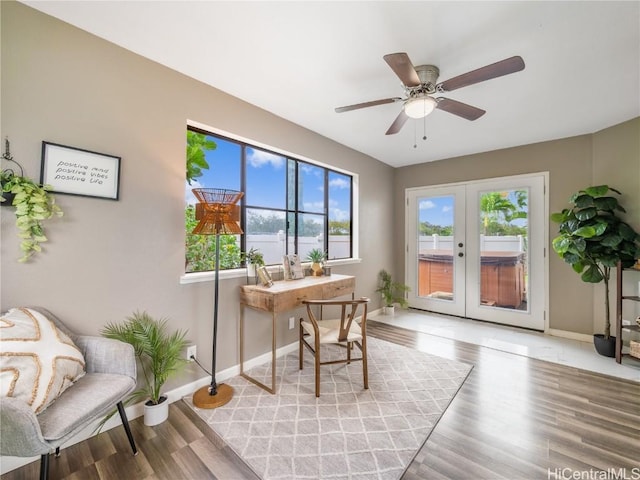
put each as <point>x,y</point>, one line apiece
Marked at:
<point>37,360</point>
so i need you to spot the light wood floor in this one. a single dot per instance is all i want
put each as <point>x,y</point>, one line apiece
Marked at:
<point>514,418</point>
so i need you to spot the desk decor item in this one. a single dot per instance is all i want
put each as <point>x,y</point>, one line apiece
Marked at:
<point>218,214</point>
<point>317,258</point>
<point>265,276</point>
<point>75,171</point>
<point>292,267</point>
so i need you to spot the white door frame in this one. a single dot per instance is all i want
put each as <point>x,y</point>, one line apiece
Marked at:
<point>467,266</point>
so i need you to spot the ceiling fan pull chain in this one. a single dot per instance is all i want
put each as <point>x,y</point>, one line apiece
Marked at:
<point>415,135</point>
<point>424,126</point>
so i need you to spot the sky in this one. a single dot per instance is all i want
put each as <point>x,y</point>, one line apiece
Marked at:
<point>438,210</point>
<point>266,180</point>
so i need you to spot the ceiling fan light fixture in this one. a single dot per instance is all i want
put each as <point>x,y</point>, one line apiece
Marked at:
<point>419,107</point>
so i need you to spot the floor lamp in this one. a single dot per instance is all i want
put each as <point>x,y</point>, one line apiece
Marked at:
<point>218,214</point>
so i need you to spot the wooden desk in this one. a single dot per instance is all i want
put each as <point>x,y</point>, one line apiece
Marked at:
<point>284,296</point>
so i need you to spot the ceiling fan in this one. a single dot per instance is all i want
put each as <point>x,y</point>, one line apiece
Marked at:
<point>420,83</point>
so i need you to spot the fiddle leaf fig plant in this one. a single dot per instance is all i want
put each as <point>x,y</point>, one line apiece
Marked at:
<point>34,203</point>
<point>592,238</point>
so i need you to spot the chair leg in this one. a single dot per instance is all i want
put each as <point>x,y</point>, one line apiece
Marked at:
<point>365,368</point>
<point>316,356</point>
<point>300,334</point>
<point>127,429</point>
<point>44,467</point>
<point>349,346</point>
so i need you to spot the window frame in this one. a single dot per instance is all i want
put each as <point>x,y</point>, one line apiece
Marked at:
<point>191,277</point>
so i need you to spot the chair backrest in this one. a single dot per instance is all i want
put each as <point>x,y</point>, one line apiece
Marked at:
<point>349,312</point>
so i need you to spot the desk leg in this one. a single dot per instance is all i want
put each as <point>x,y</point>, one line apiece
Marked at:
<point>244,375</point>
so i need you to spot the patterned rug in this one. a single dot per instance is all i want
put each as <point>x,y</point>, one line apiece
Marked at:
<point>347,433</point>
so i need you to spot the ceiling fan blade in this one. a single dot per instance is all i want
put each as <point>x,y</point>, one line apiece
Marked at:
<point>495,70</point>
<point>460,109</point>
<point>403,68</point>
<point>367,104</point>
<point>398,123</point>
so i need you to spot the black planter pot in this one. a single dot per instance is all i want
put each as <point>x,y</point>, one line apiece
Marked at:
<point>8,199</point>
<point>606,348</point>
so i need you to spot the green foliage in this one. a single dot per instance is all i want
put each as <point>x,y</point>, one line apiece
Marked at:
<point>34,204</point>
<point>427,228</point>
<point>159,352</point>
<point>392,292</point>
<point>316,255</point>
<point>200,250</point>
<point>498,212</point>
<point>197,143</point>
<point>592,238</point>
<point>254,257</point>
<point>339,227</point>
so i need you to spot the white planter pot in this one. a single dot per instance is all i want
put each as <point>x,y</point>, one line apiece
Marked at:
<point>389,310</point>
<point>251,270</point>
<point>156,414</point>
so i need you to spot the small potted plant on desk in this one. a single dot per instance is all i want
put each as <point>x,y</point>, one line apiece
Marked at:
<point>592,239</point>
<point>160,356</point>
<point>253,259</point>
<point>317,258</point>
<point>392,293</point>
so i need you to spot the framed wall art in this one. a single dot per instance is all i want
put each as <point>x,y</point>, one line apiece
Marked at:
<point>75,171</point>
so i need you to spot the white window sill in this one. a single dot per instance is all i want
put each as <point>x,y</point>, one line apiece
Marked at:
<point>198,277</point>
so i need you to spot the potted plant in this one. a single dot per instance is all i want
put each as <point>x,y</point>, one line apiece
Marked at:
<point>34,204</point>
<point>592,239</point>
<point>253,259</point>
<point>392,293</point>
<point>317,258</point>
<point>160,355</point>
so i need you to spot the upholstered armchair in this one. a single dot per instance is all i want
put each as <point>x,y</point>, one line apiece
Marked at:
<point>110,377</point>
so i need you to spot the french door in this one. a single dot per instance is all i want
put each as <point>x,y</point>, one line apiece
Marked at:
<point>477,250</point>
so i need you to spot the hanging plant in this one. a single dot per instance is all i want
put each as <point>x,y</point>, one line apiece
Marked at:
<point>33,204</point>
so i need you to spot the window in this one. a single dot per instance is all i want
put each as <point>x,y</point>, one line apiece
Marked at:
<point>290,205</point>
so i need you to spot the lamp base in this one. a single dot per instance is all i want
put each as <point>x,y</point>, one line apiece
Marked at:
<point>202,399</point>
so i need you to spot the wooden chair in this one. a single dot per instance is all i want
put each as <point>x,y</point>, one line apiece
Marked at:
<point>345,331</point>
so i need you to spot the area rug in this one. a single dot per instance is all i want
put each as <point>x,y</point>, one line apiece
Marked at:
<point>347,433</point>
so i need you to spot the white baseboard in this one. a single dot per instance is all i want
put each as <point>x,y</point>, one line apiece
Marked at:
<point>580,337</point>
<point>8,463</point>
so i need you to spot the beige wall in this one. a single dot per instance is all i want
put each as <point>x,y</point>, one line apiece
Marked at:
<point>105,258</point>
<point>608,157</point>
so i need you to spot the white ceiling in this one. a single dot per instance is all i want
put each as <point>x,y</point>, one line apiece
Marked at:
<point>301,59</point>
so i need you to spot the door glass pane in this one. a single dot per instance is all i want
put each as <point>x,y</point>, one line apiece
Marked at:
<point>435,247</point>
<point>503,248</point>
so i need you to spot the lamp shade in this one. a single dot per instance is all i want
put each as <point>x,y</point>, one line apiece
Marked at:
<point>217,211</point>
<point>418,107</point>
